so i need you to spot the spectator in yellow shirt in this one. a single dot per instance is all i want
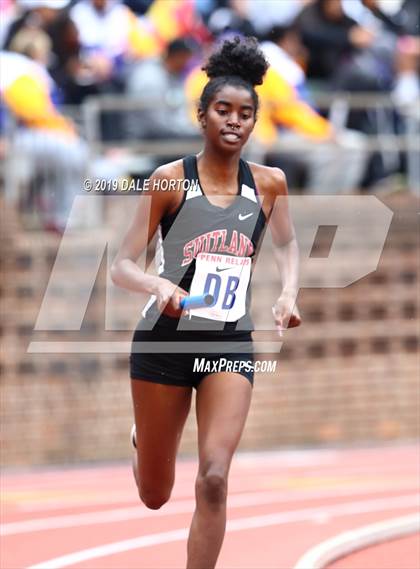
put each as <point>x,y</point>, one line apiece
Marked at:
<point>44,145</point>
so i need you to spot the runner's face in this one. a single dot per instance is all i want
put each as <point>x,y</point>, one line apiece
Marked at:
<point>230,118</point>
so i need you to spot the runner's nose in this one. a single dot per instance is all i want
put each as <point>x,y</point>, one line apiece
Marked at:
<point>233,122</point>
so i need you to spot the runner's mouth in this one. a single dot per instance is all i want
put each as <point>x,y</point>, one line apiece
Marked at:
<point>231,136</point>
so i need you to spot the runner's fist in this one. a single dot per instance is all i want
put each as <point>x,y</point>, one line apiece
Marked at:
<point>286,313</point>
<point>168,297</point>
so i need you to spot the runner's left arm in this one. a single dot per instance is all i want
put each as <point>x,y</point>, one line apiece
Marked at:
<point>286,254</point>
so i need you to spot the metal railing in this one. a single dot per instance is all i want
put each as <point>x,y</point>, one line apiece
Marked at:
<point>141,153</point>
<point>338,104</point>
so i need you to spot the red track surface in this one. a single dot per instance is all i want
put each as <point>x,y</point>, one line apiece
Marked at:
<point>281,504</point>
<point>401,553</point>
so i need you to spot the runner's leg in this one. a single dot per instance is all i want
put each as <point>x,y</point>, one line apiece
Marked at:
<point>160,413</point>
<point>222,405</point>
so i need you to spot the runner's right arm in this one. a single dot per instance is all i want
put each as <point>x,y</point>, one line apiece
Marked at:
<point>125,272</point>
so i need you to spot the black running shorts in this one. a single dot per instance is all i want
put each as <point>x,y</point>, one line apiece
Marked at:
<point>198,354</point>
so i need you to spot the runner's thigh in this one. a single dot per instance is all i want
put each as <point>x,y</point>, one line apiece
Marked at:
<point>160,413</point>
<point>222,405</point>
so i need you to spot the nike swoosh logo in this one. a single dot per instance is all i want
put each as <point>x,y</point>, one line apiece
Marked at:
<point>242,217</point>
<point>218,269</point>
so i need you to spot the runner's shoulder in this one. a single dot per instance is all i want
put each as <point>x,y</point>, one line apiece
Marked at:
<point>168,200</point>
<point>170,171</point>
<point>270,181</point>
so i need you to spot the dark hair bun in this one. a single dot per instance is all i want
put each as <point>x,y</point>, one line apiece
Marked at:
<point>238,57</point>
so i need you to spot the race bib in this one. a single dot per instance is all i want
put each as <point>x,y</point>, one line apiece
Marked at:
<point>226,278</point>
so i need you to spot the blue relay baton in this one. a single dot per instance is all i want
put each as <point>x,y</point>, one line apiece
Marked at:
<point>196,301</point>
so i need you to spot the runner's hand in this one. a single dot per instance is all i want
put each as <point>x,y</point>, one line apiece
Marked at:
<point>286,313</point>
<point>168,297</point>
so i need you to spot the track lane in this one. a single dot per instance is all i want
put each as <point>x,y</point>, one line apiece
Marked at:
<point>267,484</point>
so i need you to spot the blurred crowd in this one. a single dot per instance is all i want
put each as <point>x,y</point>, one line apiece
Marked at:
<point>59,52</point>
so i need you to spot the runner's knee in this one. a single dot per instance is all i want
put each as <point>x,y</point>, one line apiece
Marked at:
<point>211,487</point>
<point>154,498</point>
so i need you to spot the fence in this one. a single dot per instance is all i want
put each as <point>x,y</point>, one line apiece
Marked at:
<point>35,162</point>
<point>337,106</point>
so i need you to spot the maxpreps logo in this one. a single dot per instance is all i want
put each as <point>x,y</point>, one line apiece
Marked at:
<point>215,242</point>
<point>205,365</point>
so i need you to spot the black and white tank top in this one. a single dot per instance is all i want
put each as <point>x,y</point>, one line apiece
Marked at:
<point>207,249</point>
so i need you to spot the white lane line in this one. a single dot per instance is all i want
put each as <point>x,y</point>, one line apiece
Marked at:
<point>183,490</point>
<point>244,465</point>
<point>344,543</point>
<point>240,500</point>
<point>331,461</point>
<point>293,516</point>
<point>183,487</point>
<point>249,459</point>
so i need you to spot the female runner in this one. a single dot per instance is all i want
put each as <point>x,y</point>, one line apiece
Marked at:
<point>208,238</point>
